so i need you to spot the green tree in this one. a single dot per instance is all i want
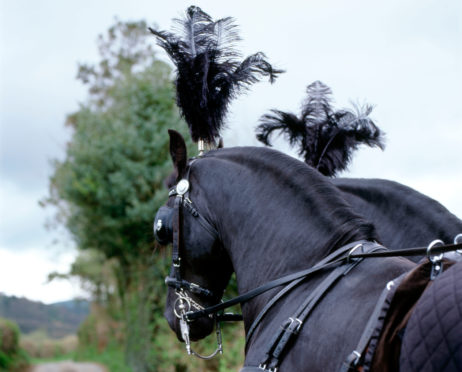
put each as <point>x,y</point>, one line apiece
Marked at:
<point>110,183</point>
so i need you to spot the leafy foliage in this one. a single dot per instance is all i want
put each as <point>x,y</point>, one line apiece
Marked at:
<point>326,138</point>
<point>110,183</point>
<point>95,273</point>
<point>209,73</point>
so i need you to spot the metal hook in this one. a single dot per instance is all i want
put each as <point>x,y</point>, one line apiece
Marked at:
<point>458,240</point>
<point>437,266</point>
<point>434,258</point>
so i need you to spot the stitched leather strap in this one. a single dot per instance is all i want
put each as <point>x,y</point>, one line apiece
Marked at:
<point>290,328</point>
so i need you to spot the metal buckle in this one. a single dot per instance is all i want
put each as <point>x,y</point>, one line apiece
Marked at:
<point>292,320</point>
<point>358,357</point>
<point>263,368</point>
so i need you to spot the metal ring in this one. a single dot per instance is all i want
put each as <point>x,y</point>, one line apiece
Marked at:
<point>434,258</point>
<point>181,308</point>
<point>458,240</point>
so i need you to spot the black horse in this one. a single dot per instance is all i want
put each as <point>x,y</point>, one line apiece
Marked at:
<point>402,216</point>
<point>273,216</point>
<point>260,214</point>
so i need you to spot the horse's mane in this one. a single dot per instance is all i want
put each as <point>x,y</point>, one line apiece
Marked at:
<point>306,182</point>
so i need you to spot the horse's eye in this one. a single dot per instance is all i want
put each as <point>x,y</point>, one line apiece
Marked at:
<point>163,230</point>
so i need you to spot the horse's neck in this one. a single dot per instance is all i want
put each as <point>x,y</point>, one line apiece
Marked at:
<point>403,217</point>
<point>266,228</point>
<point>270,224</point>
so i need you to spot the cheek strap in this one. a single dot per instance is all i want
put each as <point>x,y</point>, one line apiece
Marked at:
<point>175,280</point>
<point>177,237</point>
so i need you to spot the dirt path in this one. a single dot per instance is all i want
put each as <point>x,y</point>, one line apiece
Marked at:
<point>68,366</point>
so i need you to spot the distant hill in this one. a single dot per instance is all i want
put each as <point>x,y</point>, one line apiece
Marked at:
<point>57,320</point>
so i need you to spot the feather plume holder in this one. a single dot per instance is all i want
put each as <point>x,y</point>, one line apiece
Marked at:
<point>204,146</point>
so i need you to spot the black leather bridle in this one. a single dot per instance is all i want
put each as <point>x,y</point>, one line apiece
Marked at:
<point>168,228</point>
<point>168,225</point>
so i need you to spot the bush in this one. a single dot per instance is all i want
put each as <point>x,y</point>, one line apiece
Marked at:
<point>12,358</point>
<point>39,345</point>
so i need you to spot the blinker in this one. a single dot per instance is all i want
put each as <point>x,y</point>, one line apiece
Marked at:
<point>163,225</point>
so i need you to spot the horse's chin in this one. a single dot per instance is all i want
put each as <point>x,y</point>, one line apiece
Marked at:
<point>198,329</point>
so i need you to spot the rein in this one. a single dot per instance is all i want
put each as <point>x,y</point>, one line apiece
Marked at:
<point>418,251</point>
<point>327,263</point>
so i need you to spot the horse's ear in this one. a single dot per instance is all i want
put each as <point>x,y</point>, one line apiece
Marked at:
<point>220,143</point>
<point>178,152</point>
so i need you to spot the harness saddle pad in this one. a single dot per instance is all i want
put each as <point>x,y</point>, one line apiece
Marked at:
<point>433,338</point>
<point>384,349</point>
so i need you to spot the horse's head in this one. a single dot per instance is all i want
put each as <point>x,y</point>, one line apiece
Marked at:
<point>200,266</point>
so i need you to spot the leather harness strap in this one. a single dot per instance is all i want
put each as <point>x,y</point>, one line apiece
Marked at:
<point>291,327</point>
<point>334,255</point>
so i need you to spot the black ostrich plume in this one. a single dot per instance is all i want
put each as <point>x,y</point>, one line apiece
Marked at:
<point>325,138</point>
<point>209,70</point>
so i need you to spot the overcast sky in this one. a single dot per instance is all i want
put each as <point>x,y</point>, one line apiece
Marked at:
<point>405,57</point>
